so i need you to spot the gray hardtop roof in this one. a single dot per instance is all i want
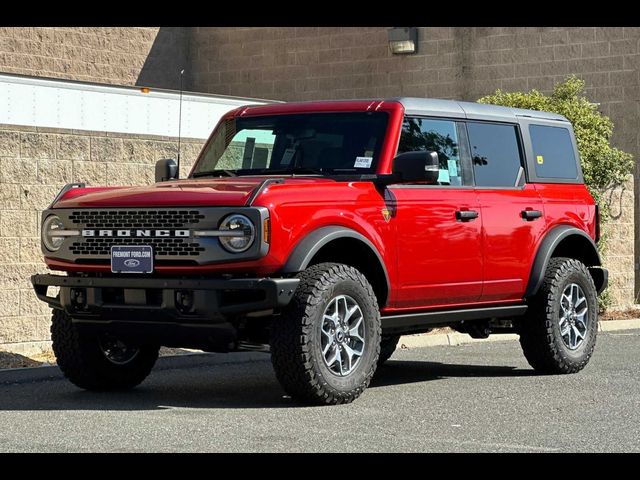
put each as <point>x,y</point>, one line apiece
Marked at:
<point>475,111</point>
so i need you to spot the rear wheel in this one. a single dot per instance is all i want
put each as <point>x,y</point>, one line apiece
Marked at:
<point>558,333</point>
<point>325,345</point>
<point>99,362</point>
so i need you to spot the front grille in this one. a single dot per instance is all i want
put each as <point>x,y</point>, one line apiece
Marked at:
<point>136,219</point>
<point>161,246</point>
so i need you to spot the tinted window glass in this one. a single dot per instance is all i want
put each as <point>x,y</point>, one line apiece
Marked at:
<point>335,143</point>
<point>495,153</point>
<point>421,134</point>
<point>553,153</point>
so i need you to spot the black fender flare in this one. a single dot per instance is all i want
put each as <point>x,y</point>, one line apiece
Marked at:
<point>311,244</point>
<point>548,245</point>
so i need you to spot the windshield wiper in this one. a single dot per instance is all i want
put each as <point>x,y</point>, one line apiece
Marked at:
<point>213,173</point>
<point>264,171</point>
<point>314,171</point>
<point>289,171</point>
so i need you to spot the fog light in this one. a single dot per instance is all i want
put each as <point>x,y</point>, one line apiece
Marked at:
<point>78,298</point>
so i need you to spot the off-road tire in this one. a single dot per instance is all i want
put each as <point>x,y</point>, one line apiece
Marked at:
<point>388,345</point>
<point>295,337</point>
<point>82,361</point>
<point>540,336</point>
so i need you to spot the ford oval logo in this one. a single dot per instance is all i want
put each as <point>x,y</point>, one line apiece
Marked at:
<point>131,263</point>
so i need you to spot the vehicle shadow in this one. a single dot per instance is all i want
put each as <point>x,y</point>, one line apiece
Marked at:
<point>247,385</point>
<point>397,372</point>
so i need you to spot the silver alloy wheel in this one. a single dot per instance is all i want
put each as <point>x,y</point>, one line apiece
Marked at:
<point>116,351</point>
<point>574,319</point>
<point>342,335</point>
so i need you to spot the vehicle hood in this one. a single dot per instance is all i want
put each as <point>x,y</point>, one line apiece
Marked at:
<point>231,191</point>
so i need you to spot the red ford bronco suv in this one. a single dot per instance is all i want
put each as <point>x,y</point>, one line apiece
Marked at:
<point>325,230</point>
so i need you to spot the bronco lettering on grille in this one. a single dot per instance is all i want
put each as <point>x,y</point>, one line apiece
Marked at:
<point>135,233</point>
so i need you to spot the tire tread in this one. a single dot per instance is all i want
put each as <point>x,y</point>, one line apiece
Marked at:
<point>537,337</point>
<point>290,334</point>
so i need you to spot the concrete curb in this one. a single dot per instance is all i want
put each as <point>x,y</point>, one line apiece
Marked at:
<point>454,339</point>
<point>190,360</point>
<point>27,349</point>
<point>613,325</point>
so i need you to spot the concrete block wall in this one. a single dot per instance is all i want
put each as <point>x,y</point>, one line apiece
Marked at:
<point>285,63</point>
<point>148,56</point>
<point>35,163</point>
<point>307,63</point>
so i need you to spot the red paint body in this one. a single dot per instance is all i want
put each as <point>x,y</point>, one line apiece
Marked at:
<point>432,260</point>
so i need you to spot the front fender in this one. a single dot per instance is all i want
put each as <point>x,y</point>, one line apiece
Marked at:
<point>306,249</point>
<point>311,244</point>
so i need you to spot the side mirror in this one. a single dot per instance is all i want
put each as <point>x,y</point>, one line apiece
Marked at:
<point>166,169</point>
<point>421,167</point>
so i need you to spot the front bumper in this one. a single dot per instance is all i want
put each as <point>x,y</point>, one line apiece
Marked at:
<point>164,299</point>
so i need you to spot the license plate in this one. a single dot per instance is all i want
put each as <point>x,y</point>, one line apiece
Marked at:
<point>131,259</point>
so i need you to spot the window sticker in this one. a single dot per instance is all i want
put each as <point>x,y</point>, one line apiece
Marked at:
<point>443,177</point>
<point>288,155</point>
<point>540,159</point>
<point>453,167</point>
<point>363,162</point>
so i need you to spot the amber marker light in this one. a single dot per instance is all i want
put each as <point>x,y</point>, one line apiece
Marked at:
<point>266,230</point>
<point>145,90</point>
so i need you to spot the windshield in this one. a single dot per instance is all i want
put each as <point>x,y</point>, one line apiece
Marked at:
<point>316,143</point>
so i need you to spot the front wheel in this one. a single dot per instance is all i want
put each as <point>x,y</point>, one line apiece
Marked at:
<point>325,345</point>
<point>558,333</point>
<point>99,362</point>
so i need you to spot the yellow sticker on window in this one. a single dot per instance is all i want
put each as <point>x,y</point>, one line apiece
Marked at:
<point>540,159</point>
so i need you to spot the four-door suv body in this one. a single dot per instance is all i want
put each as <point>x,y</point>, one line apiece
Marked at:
<point>324,231</point>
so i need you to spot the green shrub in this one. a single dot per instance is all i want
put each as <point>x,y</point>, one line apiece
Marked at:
<point>604,167</point>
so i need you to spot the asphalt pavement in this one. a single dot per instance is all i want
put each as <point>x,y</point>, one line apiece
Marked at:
<point>471,398</point>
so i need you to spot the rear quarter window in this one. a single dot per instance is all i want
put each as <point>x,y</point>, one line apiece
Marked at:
<point>553,153</point>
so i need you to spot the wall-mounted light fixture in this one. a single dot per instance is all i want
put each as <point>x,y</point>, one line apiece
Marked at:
<point>403,40</point>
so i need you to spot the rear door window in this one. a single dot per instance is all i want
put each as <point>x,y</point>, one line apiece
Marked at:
<point>553,153</point>
<point>495,154</point>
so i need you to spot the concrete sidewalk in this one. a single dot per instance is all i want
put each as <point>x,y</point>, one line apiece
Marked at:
<point>455,338</point>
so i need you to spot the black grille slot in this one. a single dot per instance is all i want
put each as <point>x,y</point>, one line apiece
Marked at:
<point>163,247</point>
<point>136,218</point>
<point>183,247</point>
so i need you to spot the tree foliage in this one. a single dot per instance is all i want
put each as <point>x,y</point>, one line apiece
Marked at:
<point>603,165</point>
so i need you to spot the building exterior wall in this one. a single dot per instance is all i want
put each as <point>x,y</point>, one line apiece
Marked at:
<point>35,163</point>
<point>302,63</point>
<point>147,56</point>
<point>308,63</point>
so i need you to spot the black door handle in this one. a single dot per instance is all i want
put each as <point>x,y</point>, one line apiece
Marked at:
<point>530,215</point>
<point>466,215</point>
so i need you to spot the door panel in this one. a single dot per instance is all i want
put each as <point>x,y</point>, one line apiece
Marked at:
<point>439,257</point>
<point>509,239</point>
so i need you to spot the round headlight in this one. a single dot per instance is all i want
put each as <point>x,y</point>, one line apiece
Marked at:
<point>49,238</point>
<point>246,233</point>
